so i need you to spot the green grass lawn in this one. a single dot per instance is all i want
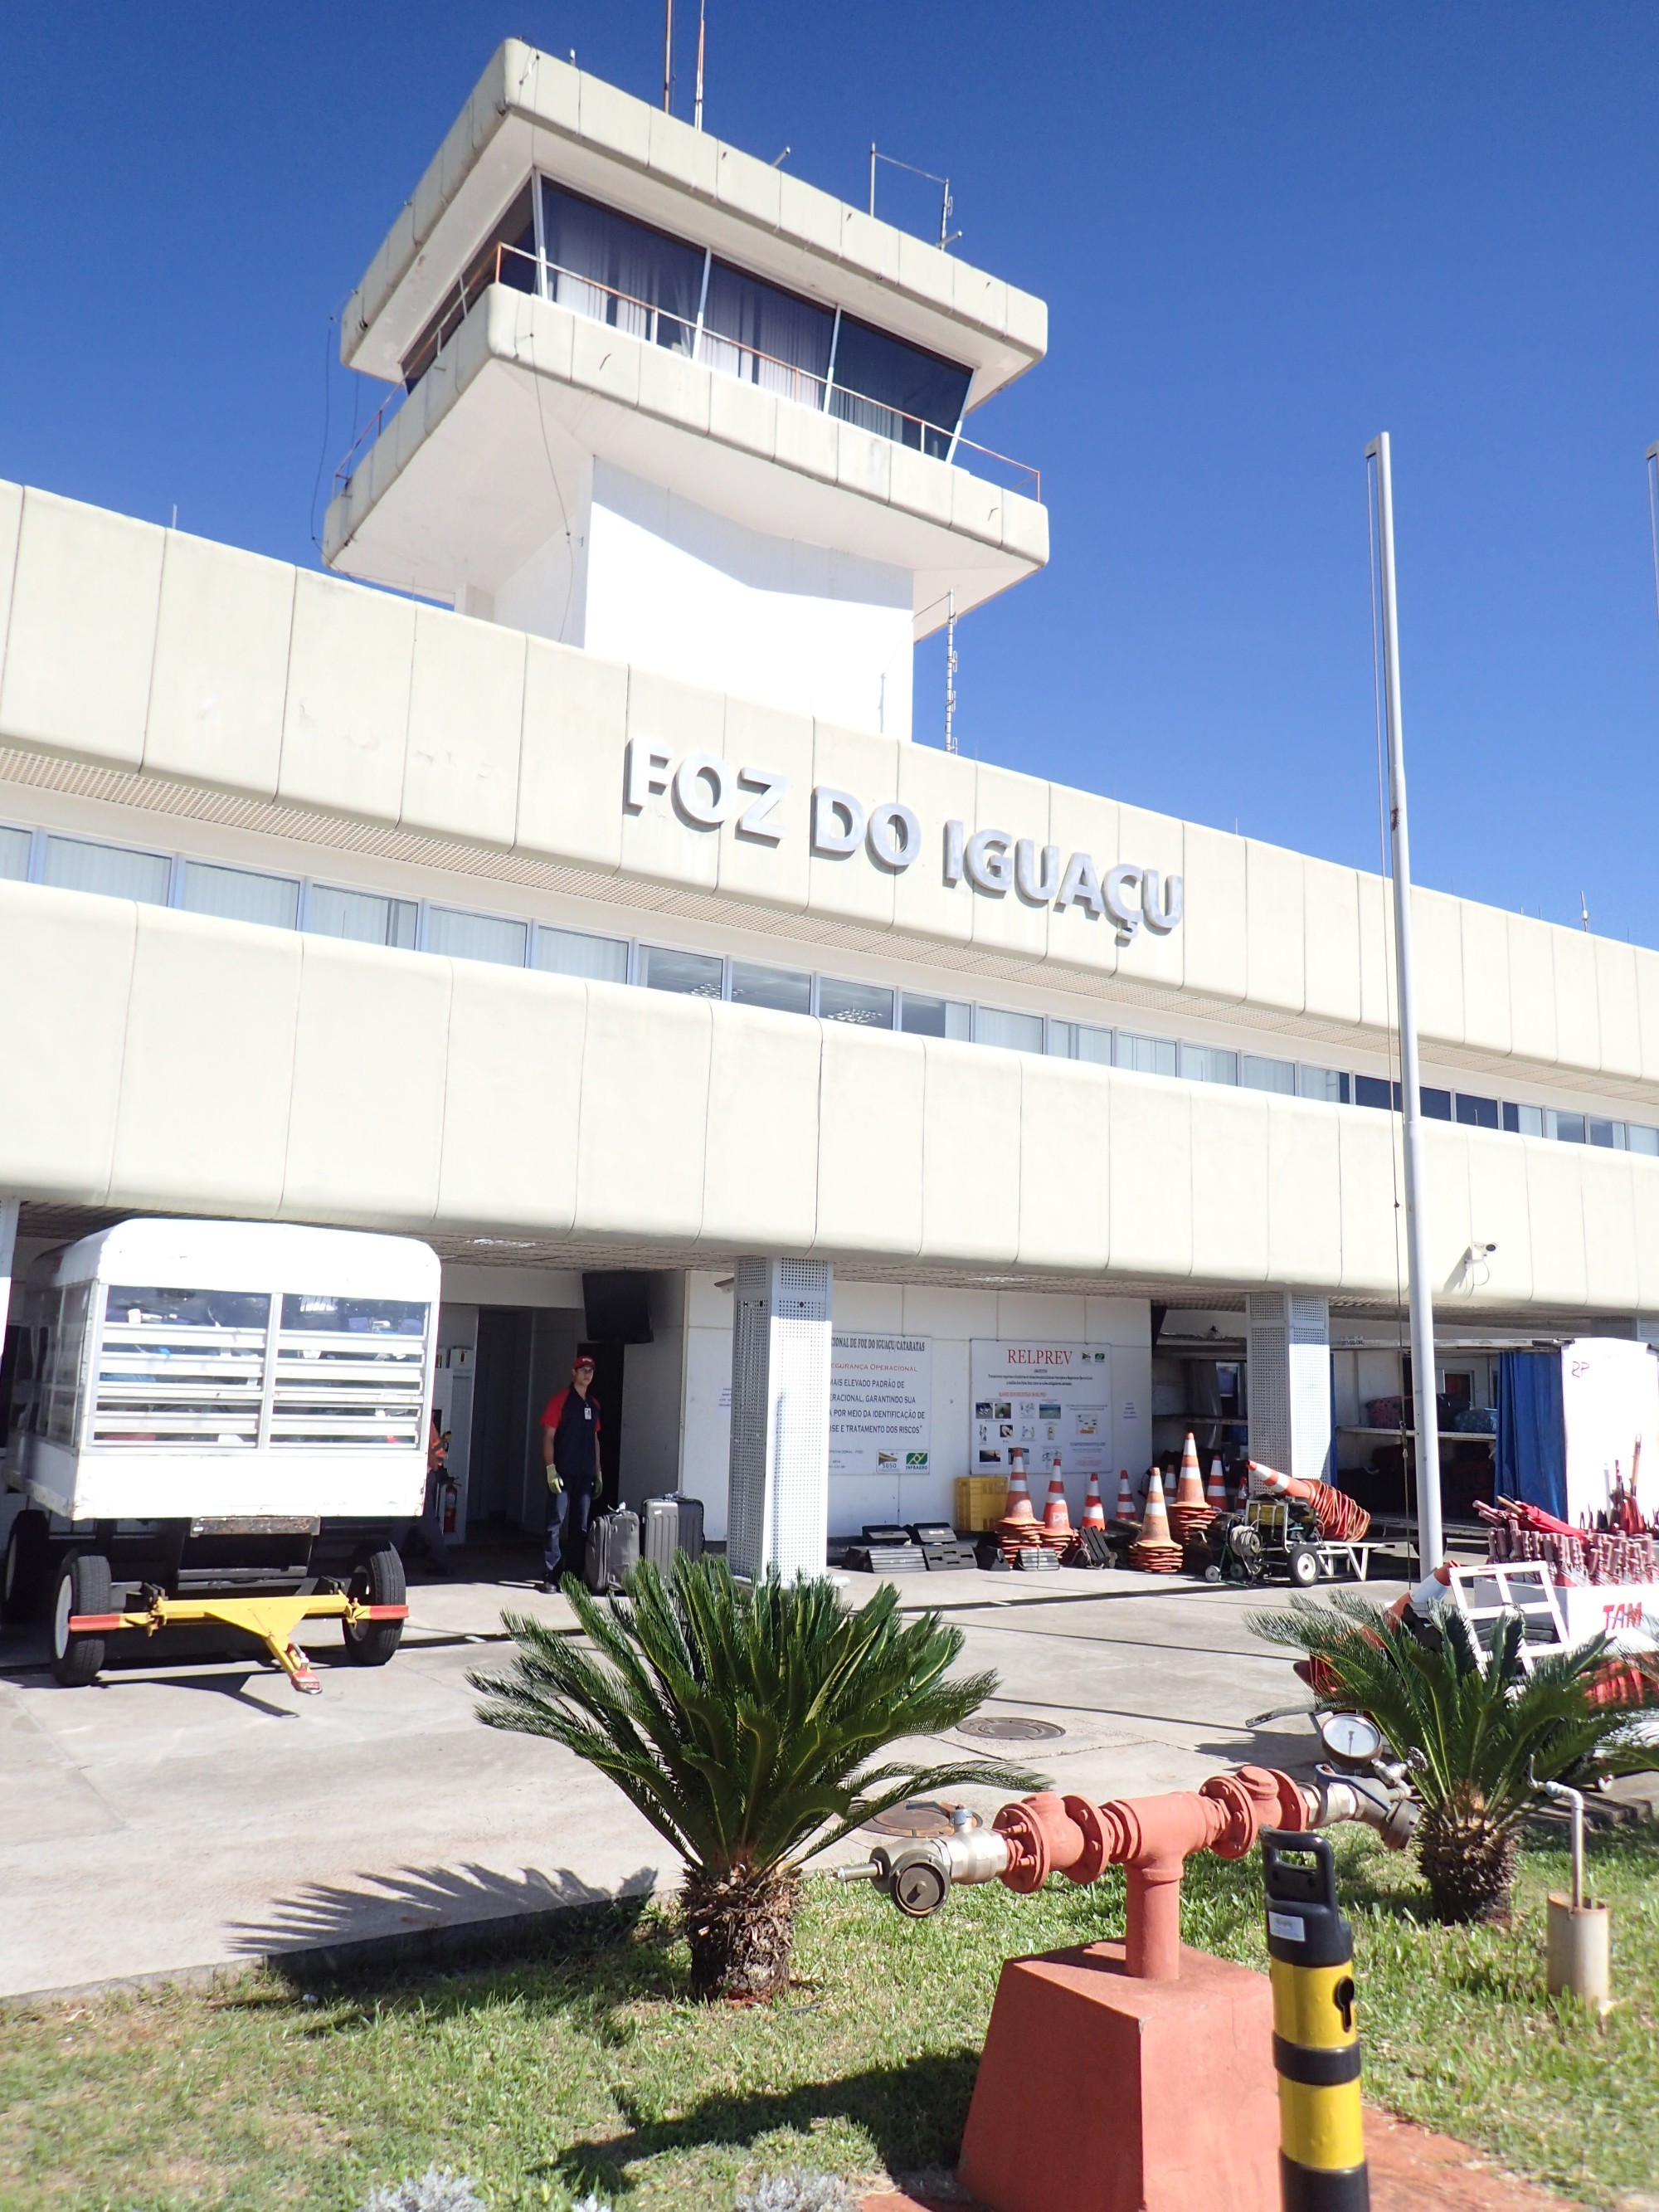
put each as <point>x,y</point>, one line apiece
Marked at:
<point>578,2061</point>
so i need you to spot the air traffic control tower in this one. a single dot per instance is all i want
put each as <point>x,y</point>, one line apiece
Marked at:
<point>654,398</point>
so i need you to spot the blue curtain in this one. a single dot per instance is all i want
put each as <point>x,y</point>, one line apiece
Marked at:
<point>1532,1443</point>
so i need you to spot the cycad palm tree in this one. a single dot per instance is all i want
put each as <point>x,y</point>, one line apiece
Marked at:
<point>742,1722</point>
<point>1482,1730</point>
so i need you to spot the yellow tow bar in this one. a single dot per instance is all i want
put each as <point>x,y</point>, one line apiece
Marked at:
<point>271,1620</point>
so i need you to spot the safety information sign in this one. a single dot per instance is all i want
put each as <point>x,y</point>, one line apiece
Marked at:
<point>1045,1399</point>
<point>880,1403</point>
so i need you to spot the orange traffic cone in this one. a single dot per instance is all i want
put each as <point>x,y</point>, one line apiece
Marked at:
<point>1017,1527</point>
<point>1057,1530</point>
<point>1124,1509</point>
<point>1154,1552</point>
<point>1190,1489</point>
<point>1094,1507</point>
<point>1215,1496</point>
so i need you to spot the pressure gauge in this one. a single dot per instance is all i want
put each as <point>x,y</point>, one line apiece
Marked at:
<point>1350,1738</point>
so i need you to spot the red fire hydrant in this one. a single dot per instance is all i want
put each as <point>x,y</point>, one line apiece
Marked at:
<point>1107,2027</point>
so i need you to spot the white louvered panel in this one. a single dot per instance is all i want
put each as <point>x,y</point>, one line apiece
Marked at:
<point>331,1391</point>
<point>164,1381</point>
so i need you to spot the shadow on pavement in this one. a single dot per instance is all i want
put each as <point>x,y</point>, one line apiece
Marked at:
<point>416,1913</point>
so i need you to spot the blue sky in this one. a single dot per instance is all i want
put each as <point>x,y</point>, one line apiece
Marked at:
<point>1265,232</point>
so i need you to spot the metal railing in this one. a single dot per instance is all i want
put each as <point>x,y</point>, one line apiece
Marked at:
<point>709,348</point>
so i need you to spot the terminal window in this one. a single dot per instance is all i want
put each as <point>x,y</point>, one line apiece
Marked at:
<point>866,1005</point>
<point>361,917</point>
<point>783,989</point>
<point>574,952</point>
<point>74,864</point>
<point>693,975</point>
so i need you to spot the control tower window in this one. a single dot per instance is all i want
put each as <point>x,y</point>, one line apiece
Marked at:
<point>621,273</point>
<point>767,337</point>
<point>507,256</point>
<point>896,390</point>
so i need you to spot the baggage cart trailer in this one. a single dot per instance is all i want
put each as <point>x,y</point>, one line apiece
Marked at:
<point>223,1425</point>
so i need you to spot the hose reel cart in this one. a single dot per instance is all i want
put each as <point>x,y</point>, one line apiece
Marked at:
<point>220,1424</point>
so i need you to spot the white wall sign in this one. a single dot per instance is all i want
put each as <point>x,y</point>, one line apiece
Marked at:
<point>704,793</point>
<point>880,1403</point>
<point>1045,1398</point>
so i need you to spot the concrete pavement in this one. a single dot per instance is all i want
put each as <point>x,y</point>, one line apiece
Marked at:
<point>191,1812</point>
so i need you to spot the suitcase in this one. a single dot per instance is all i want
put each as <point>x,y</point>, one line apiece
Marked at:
<point>613,1550</point>
<point>669,1526</point>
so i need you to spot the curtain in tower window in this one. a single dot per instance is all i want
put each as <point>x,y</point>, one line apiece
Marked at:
<point>620,272</point>
<point>898,390</point>
<point>765,335</point>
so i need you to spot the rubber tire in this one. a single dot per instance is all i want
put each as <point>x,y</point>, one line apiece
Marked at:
<point>377,1579</point>
<point>1304,1565</point>
<point>27,1577</point>
<point>83,1586</point>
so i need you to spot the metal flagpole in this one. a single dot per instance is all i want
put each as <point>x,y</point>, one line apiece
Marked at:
<point>1653,517</point>
<point>1431,1542</point>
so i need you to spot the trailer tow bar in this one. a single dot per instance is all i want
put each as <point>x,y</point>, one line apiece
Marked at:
<point>271,1620</point>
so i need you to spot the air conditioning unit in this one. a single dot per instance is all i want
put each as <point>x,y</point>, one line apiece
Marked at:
<point>779,1499</point>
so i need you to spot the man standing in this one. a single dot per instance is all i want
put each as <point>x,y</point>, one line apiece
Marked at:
<point>570,1453</point>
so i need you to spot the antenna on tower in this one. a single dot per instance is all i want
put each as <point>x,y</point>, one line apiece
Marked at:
<point>668,57</point>
<point>947,207</point>
<point>696,106</point>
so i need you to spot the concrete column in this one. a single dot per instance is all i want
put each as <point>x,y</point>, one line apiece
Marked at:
<point>778,1481</point>
<point>1290,1384</point>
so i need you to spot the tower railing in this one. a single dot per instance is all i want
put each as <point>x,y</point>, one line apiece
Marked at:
<point>707,347</point>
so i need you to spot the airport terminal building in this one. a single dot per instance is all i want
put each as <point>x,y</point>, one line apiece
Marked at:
<point>559,881</point>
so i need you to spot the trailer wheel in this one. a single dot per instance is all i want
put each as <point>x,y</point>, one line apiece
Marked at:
<point>27,1573</point>
<point>83,1586</point>
<point>377,1579</point>
<point>1304,1565</point>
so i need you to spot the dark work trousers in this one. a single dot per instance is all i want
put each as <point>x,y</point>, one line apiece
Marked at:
<point>568,1512</point>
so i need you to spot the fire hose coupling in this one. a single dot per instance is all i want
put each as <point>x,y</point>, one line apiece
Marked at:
<point>919,1875</point>
<point>1389,1810</point>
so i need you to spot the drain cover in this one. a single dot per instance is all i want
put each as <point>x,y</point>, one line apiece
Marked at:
<point>916,1816</point>
<point>1010,1728</point>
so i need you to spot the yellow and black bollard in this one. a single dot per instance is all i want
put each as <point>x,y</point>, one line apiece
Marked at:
<point>1322,2154</point>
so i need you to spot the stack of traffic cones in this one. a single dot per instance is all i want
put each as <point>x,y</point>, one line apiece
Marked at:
<point>1215,1496</point>
<point>1057,1530</point>
<point>1189,1516</point>
<point>1094,1507</point>
<point>1018,1528</point>
<point>1125,1512</point>
<point>1152,1551</point>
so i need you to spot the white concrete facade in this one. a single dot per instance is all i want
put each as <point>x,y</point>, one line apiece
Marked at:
<point>669,723</point>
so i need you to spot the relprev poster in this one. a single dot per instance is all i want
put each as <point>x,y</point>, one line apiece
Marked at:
<point>1044,1399</point>
<point>880,1403</point>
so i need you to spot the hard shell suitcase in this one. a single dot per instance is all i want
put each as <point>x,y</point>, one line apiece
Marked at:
<point>690,1524</point>
<point>613,1550</point>
<point>669,1525</point>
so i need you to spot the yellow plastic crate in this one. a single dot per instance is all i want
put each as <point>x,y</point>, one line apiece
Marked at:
<point>981,1500</point>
